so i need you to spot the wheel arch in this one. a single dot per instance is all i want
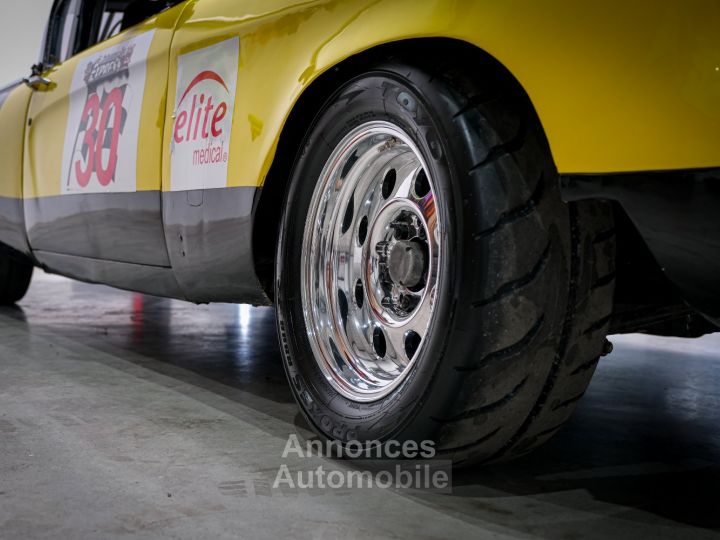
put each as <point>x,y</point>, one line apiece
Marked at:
<point>268,207</point>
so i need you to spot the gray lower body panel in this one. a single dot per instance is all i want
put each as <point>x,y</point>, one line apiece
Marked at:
<point>153,280</point>
<point>194,245</point>
<point>209,242</point>
<point>120,227</point>
<point>12,224</point>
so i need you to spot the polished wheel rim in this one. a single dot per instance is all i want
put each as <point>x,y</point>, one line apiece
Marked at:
<point>370,262</point>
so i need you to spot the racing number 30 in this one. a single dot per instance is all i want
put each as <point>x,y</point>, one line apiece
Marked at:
<point>96,137</point>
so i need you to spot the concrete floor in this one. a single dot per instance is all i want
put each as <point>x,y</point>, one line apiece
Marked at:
<point>124,415</point>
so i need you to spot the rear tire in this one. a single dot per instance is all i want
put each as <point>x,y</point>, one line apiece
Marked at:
<point>15,276</point>
<point>526,282</point>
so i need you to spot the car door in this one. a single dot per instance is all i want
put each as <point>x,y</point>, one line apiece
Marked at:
<point>13,107</point>
<point>94,136</point>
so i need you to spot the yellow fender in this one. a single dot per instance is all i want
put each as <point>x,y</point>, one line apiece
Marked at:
<point>618,86</point>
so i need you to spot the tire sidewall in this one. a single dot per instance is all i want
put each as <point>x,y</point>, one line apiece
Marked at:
<point>383,95</point>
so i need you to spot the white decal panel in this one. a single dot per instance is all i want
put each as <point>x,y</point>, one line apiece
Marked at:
<point>106,98</point>
<point>204,107</point>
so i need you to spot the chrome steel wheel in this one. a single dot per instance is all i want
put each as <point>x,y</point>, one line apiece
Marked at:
<point>432,291</point>
<point>371,261</point>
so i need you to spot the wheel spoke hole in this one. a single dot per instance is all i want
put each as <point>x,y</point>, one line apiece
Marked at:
<point>388,185</point>
<point>412,344</point>
<point>349,164</point>
<point>359,294</point>
<point>379,344</point>
<point>343,304</point>
<point>349,214</point>
<point>362,230</point>
<point>421,187</point>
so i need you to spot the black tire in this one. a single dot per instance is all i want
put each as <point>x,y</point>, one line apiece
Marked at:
<point>528,280</point>
<point>15,275</point>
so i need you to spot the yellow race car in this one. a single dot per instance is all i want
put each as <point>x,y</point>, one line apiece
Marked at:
<point>451,203</point>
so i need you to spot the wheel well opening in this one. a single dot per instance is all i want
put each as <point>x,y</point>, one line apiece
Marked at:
<point>432,52</point>
<point>646,301</point>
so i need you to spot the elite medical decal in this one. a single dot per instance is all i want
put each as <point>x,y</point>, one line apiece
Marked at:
<point>204,106</point>
<point>106,100</point>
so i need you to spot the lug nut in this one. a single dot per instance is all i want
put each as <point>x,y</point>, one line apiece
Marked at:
<point>382,249</point>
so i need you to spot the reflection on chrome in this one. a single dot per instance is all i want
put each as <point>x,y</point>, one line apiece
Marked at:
<point>371,261</point>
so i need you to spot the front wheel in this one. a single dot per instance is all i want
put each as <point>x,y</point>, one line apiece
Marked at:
<point>15,275</point>
<point>431,284</point>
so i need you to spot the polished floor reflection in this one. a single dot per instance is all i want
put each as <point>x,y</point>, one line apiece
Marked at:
<point>122,414</point>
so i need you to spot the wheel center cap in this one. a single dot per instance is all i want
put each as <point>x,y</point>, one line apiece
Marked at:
<point>406,263</point>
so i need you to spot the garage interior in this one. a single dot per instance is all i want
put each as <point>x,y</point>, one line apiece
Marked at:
<point>122,414</point>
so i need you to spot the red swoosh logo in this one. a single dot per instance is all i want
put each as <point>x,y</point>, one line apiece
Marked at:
<point>204,76</point>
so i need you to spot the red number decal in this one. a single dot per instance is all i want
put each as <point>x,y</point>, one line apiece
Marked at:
<point>96,131</point>
<point>113,102</point>
<point>92,110</point>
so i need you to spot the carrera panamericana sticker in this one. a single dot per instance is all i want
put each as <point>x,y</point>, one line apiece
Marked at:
<point>106,99</point>
<point>204,106</point>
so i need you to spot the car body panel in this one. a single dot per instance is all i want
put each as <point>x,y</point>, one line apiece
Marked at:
<point>121,222</point>
<point>619,87</point>
<point>14,102</point>
<point>209,238</point>
<point>49,111</point>
<point>153,280</point>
